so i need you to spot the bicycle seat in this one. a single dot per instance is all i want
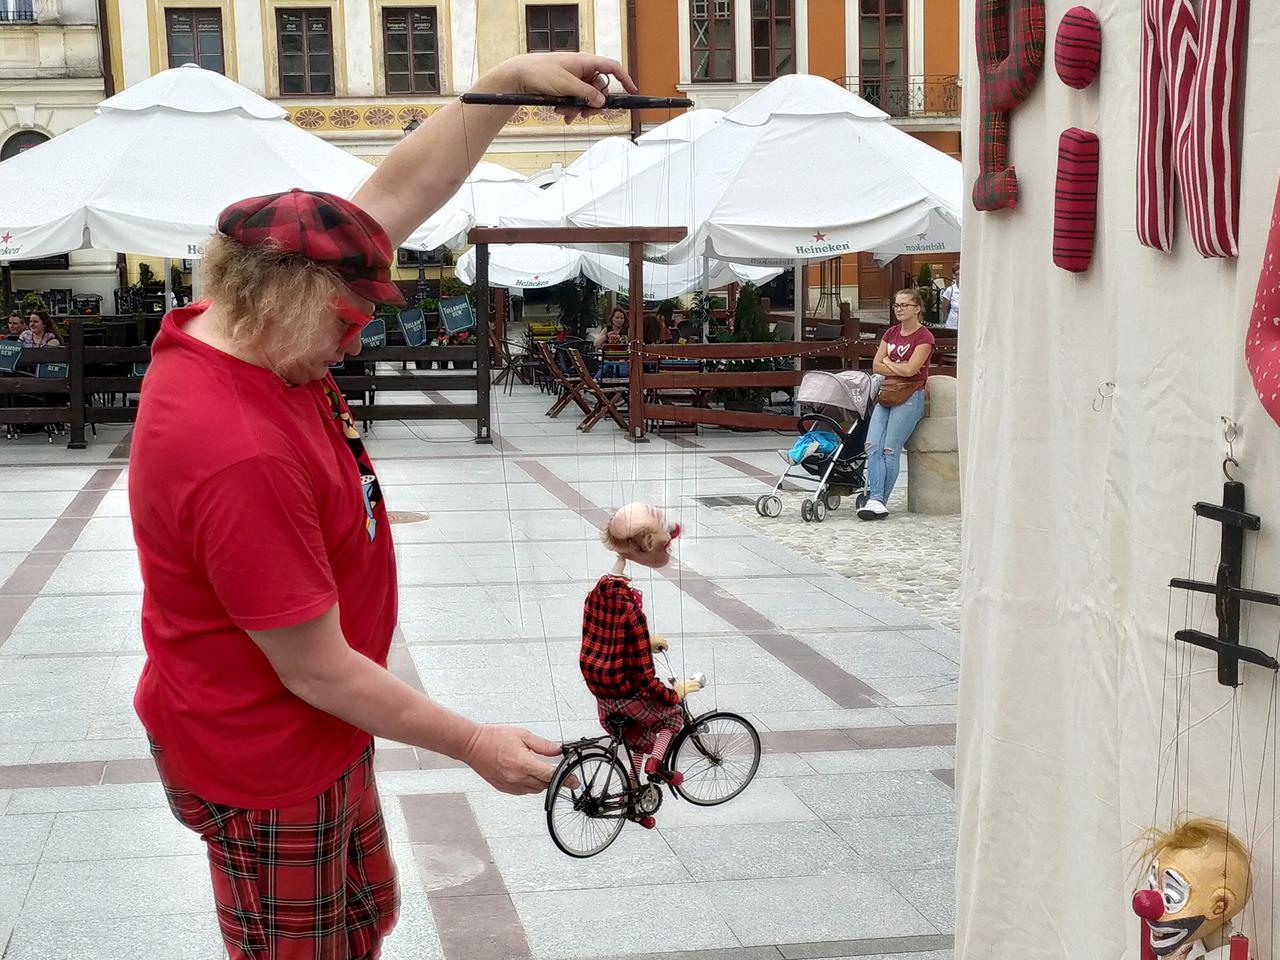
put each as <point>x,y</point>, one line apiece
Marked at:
<point>616,721</point>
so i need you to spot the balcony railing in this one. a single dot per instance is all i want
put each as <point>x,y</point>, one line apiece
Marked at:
<point>919,96</point>
<point>17,11</point>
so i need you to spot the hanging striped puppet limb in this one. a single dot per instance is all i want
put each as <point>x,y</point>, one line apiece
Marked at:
<point>1010,59</point>
<point>1262,343</point>
<point>1189,122</point>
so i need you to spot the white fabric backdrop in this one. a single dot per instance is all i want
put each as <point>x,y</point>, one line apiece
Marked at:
<point>1075,520</point>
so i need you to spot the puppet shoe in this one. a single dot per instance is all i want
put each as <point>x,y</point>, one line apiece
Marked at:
<point>673,777</point>
<point>646,821</point>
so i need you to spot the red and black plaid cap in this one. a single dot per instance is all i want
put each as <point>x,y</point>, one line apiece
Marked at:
<point>328,230</point>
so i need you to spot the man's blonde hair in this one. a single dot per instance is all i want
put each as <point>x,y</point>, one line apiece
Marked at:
<point>263,292</point>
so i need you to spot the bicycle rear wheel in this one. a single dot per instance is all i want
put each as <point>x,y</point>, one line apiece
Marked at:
<point>718,753</point>
<point>587,803</point>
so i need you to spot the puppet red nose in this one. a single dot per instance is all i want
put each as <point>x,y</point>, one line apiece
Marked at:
<point>1148,904</point>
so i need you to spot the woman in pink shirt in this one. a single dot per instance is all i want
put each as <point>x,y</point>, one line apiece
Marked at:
<point>903,360</point>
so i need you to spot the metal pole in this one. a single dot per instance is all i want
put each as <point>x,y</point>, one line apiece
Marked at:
<point>635,294</point>
<point>798,296</point>
<point>482,345</point>
<point>75,376</point>
<point>197,280</point>
<point>168,286</point>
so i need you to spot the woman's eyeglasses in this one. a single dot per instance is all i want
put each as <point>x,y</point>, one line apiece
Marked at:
<point>902,306</point>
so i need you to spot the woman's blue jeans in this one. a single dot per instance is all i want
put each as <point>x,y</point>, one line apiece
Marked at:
<point>888,431</point>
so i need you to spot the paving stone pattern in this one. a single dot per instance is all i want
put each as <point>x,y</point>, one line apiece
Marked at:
<point>843,846</point>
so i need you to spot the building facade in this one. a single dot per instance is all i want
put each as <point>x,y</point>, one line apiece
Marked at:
<point>51,69</point>
<point>901,55</point>
<point>357,72</point>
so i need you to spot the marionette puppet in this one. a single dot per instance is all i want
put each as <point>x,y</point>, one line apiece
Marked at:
<point>617,649</point>
<point>1198,879</point>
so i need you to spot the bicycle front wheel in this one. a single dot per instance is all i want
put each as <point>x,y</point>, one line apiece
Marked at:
<point>718,753</point>
<point>588,803</point>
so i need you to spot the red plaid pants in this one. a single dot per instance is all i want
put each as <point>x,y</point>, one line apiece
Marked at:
<point>646,718</point>
<point>314,881</point>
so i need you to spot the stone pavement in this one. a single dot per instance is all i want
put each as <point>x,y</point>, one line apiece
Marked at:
<point>843,846</point>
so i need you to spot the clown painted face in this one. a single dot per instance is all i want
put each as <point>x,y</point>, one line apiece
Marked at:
<point>1198,888</point>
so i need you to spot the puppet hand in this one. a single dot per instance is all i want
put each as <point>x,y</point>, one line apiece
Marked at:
<point>507,757</point>
<point>657,643</point>
<point>686,687</point>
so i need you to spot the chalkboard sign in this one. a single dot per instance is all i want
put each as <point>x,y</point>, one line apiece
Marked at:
<point>374,334</point>
<point>52,371</point>
<point>413,327</point>
<point>456,315</point>
<point>10,351</point>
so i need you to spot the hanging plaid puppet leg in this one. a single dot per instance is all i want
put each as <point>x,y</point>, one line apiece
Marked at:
<point>650,728</point>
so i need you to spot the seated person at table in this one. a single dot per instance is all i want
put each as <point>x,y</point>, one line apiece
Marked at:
<point>616,331</point>
<point>39,332</point>
<point>16,326</point>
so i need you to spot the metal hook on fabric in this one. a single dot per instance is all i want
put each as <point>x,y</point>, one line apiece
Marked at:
<point>1106,390</point>
<point>1230,433</point>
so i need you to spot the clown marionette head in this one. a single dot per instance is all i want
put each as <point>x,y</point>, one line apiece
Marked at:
<point>1198,879</point>
<point>638,532</point>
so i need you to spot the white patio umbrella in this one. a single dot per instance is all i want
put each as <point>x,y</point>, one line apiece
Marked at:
<point>533,266</point>
<point>483,198</point>
<point>150,173</point>
<point>802,170</point>
<point>606,164</point>
<point>523,266</point>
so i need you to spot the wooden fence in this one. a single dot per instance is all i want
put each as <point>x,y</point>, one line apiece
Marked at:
<point>84,395</point>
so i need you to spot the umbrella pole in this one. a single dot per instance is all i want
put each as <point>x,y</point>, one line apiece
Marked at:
<point>197,280</point>
<point>798,296</point>
<point>168,287</point>
<point>706,295</point>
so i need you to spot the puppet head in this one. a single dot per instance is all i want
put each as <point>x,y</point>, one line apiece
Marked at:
<point>638,532</point>
<point>1197,881</point>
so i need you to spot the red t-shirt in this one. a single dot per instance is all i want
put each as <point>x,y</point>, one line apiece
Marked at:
<point>254,507</point>
<point>901,346</point>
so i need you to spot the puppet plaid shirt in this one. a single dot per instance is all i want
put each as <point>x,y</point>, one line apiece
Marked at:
<point>615,659</point>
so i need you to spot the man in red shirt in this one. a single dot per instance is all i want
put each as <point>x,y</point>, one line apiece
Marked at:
<point>267,562</point>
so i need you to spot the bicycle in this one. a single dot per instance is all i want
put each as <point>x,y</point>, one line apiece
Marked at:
<point>591,795</point>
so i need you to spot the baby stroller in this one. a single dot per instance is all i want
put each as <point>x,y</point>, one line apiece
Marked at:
<point>827,451</point>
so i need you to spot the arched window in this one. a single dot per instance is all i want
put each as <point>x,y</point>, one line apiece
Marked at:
<point>21,142</point>
<point>882,32</point>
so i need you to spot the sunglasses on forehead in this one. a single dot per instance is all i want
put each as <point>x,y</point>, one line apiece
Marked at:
<point>356,320</point>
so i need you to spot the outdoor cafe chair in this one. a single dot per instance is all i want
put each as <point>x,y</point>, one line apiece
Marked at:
<point>610,398</point>
<point>570,384</point>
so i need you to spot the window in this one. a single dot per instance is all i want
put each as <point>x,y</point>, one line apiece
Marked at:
<point>409,51</point>
<point>17,11</point>
<point>306,52</point>
<point>195,36</point>
<point>711,39</point>
<point>551,27</point>
<point>21,143</point>
<point>882,30</point>
<point>773,42</point>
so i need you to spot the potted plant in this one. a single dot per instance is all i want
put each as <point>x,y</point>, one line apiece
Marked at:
<point>30,303</point>
<point>924,286</point>
<point>749,326</point>
<point>463,338</point>
<point>578,305</point>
